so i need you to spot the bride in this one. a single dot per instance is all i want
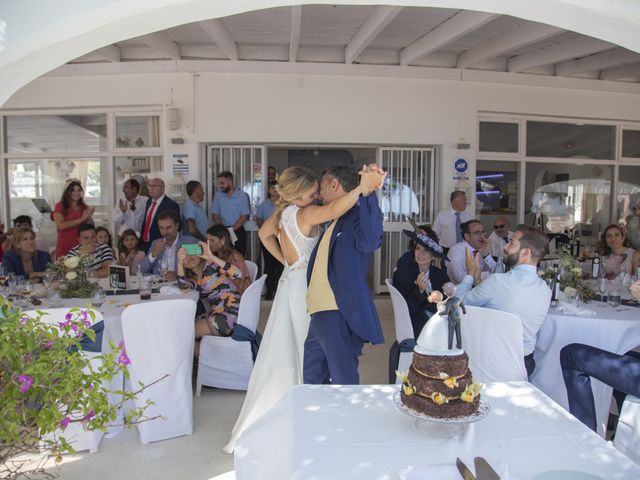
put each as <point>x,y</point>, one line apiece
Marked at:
<point>295,222</point>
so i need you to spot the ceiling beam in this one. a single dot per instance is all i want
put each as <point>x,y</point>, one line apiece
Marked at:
<point>296,22</point>
<point>455,27</point>
<point>628,71</point>
<point>110,52</point>
<point>525,34</point>
<point>575,48</point>
<point>370,29</point>
<point>600,61</point>
<point>161,42</point>
<point>221,37</point>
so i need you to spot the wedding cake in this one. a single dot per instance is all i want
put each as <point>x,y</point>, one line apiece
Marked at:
<point>439,383</point>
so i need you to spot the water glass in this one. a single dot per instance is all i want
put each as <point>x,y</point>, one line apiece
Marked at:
<point>98,298</point>
<point>615,296</point>
<point>55,300</point>
<point>145,287</point>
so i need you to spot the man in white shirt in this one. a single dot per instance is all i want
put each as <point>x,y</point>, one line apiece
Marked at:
<point>499,237</point>
<point>448,222</point>
<point>129,212</point>
<point>163,253</point>
<point>475,242</point>
<point>519,291</point>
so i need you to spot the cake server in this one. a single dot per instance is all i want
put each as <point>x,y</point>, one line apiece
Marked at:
<point>464,470</point>
<point>484,471</point>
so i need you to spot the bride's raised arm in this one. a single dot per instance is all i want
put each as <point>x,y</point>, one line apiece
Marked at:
<point>370,180</point>
<point>267,234</point>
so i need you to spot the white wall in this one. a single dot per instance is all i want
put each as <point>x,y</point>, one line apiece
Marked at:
<point>288,108</point>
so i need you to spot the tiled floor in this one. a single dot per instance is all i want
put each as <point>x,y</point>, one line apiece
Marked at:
<point>199,455</point>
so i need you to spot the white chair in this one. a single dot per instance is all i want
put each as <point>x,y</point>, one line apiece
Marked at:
<point>493,341</point>
<point>627,438</point>
<point>159,339</point>
<point>253,270</point>
<point>79,438</point>
<point>403,325</point>
<point>224,362</point>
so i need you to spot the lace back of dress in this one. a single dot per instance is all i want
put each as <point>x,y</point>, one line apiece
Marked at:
<point>303,244</point>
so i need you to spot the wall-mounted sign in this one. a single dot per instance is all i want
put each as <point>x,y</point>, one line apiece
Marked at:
<point>460,167</point>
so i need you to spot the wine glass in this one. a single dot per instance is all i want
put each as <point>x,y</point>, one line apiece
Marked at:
<point>602,286</point>
<point>113,281</point>
<point>98,298</point>
<point>163,268</point>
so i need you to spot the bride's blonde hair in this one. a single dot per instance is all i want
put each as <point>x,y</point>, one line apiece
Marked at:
<point>292,184</point>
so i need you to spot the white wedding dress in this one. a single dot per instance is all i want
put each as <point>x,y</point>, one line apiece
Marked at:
<point>278,366</point>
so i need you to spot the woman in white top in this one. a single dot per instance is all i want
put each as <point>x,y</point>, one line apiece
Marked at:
<point>290,235</point>
<point>618,258</point>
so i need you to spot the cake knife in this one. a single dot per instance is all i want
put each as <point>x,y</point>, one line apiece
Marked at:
<point>464,470</point>
<point>484,471</point>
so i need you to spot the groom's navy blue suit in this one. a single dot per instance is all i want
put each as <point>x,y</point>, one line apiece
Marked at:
<point>336,337</point>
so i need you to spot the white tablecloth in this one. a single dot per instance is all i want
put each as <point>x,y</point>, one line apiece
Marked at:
<point>615,330</point>
<point>357,432</point>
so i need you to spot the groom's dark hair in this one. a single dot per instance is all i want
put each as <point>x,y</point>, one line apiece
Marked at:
<point>346,176</point>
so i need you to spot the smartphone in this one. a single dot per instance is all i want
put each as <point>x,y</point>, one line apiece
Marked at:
<point>192,249</point>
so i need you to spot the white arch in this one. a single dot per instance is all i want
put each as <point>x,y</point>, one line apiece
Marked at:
<point>36,36</point>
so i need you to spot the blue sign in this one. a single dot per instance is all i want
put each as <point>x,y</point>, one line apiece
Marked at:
<point>461,165</point>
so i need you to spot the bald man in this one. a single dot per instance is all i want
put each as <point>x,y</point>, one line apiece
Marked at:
<point>499,237</point>
<point>157,203</point>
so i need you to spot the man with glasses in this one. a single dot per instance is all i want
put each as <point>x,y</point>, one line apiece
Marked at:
<point>499,237</point>
<point>475,242</point>
<point>519,291</point>
<point>156,204</point>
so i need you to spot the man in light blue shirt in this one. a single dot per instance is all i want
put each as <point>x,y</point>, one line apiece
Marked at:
<point>520,291</point>
<point>194,220</point>
<point>231,209</point>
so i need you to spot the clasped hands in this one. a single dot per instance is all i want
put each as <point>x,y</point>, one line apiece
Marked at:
<point>371,178</point>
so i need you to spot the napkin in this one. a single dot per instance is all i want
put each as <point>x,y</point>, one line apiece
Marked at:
<point>571,309</point>
<point>169,290</point>
<point>232,235</point>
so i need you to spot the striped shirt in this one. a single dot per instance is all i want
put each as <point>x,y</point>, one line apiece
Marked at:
<point>102,254</point>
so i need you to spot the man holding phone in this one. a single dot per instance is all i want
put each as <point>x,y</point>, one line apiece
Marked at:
<point>163,253</point>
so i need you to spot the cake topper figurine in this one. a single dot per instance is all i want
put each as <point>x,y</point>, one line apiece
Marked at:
<point>453,308</point>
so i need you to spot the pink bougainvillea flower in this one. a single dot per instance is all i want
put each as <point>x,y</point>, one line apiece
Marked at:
<point>48,344</point>
<point>25,383</point>
<point>74,327</point>
<point>64,423</point>
<point>63,324</point>
<point>123,359</point>
<point>23,320</point>
<point>68,316</point>
<point>90,414</point>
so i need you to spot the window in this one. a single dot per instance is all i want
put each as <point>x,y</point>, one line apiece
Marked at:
<point>142,168</point>
<point>498,137</point>
<point>47,134</point>
<point>561,196</point>
<point>570,140</point>
<point>497,191</point>
<point>628,191</point>
<point>137,131</point>
<point>631,143</point>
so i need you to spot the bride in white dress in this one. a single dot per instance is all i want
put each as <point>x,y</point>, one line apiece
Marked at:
<point>278,366</point>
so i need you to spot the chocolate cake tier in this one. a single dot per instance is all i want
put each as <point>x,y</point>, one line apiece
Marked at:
<point>426,385</point>
<point>453,409</point>
<point>433,365</point>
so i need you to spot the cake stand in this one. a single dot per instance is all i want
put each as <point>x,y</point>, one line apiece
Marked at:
<point>442,427</point>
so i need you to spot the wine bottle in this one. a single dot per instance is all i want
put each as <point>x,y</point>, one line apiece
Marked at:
<point>414,225</point>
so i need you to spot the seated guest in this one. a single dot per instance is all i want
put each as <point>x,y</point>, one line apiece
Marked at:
<point>101,255</point>
<point>499,237</point>
<point>104,237</point>
<point>475,242</point>
<point>163,253</point>
<point>22,257</point>
<point>520,291</point>
<point>410,276</point>
<point>617,258</point>
<point>213,278</point>
<point>19,222</point>
<point>130,254</point>
<point>220,244</point>
<point>580,362</point>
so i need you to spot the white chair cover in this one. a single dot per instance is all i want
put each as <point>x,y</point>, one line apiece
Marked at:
<point>159,338</point>
<point>493,340</point>
<point>224,362</point>
<point>627,438</point>
<point>253,270</point>
<point>79,438</point>
<point>404,329</point>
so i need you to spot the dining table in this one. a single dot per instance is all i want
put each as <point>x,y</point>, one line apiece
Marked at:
<point>361,432</point>
<point>615,329</point>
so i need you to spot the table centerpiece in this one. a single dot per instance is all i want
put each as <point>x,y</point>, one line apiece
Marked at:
<point>72,271</point>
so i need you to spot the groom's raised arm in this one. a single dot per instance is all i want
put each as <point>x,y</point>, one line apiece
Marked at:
<point>368,224</point>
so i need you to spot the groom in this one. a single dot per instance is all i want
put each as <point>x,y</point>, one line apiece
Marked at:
<point>343,315</point>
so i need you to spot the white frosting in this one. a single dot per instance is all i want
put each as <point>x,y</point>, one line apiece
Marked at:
<point>434,338</point>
